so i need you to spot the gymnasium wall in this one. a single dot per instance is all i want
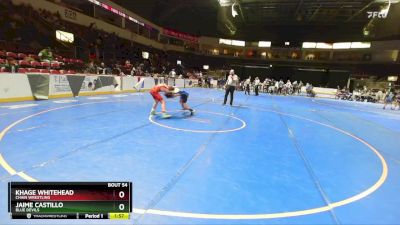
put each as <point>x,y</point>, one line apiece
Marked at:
<point>338,78</point>
<point>327,78</point>
<point>263,72</point>
<point>318,78</point>
<point>17,87</point>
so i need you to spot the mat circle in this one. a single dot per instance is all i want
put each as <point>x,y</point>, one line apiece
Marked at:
<point>243,124</point>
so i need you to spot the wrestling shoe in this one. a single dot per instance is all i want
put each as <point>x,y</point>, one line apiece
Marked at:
<point>165,116</point>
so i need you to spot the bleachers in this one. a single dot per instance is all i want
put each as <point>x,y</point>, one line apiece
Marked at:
<point>12,55</point>
<point>23,63</point>
<point>36,64</point>
<point>21,56</point>
<point>22,70</point>
<point>30,63</point>
<point>32,70</point>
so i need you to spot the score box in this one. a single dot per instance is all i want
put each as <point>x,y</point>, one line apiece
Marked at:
<point>69,200</point>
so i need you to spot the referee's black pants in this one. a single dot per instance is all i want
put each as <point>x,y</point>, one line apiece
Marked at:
<point>229,90</point>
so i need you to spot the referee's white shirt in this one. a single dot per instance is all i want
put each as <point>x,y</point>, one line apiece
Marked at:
<point>232,80</point>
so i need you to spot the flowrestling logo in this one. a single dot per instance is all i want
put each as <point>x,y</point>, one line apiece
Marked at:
<point>380,14</point>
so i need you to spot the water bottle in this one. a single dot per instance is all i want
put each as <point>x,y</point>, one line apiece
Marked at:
<point>12,69</point>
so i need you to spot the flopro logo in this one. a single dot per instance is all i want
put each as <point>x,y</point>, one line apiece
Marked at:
<point>380,14</point>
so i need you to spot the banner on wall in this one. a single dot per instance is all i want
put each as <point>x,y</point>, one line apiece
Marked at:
<point>59,84</point>
<point>159,80</point>
<point>171,82</point>
<point>75,83</point>
<point>45,86</point>
<point>88,82</point>
<point>191,82</point>
<point>103,81</point>
<point>39,84</point>
<point>68,84</point>
<point>188,83</point>
<point>180,35</point>
<point>140,83</point>
<point>179,83</point>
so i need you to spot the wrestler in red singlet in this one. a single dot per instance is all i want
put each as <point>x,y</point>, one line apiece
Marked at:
<point>155,92</point>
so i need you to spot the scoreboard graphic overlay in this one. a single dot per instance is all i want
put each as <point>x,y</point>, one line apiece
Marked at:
<point>70,200</point>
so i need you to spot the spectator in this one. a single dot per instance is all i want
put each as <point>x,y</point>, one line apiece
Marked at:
<point>389,97</point>
<point>10,65</point>
<point>247,86</point>
<point>128,65</point>
<point>280,86</point>
<point>309,90</point>
<point>29,59</point>
<point>46,55</point>
<point>380,96</point>
<point>133,71</point>
<point>91,68</point>
<point>103,69</point>
<point>299,87</point>
<point>256,85</point>
<point>172,74</point>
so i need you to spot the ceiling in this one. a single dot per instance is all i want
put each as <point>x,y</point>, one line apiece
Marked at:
<point>198,17</point>
<point>305,11</point>
<point>300,20</point>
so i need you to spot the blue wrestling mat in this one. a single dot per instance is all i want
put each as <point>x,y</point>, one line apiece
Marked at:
<point>266,160</point>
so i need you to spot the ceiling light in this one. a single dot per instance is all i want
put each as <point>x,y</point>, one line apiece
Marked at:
<point>309,44</point>
<point>225,2</point>
<point>238,43</point>
<point>342,45</point>
<point>264,44</point>
<point>360,45</point>
<point>234,12</point>
<point>322,45</point>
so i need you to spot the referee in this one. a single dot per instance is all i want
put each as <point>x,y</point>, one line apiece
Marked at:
<point>230,85</point>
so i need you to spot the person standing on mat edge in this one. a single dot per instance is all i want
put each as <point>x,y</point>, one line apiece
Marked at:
<point>256,85</point>
<point>155,92</point>
<point>389,99</point>
<point>247,86</point>
<point>230,86</point>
